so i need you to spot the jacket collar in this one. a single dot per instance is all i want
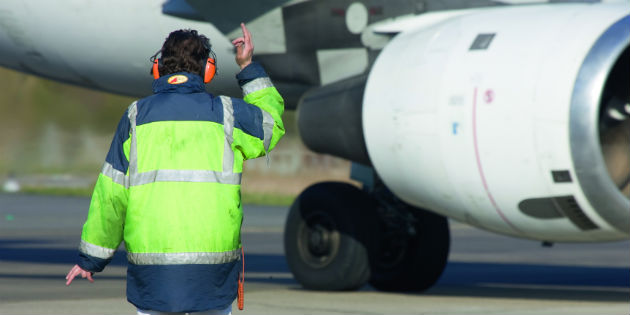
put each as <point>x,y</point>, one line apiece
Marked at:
<point>180,82</point>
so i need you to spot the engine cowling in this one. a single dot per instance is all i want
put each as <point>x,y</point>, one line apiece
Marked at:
<point>330,120</point>
<point>511,119</point>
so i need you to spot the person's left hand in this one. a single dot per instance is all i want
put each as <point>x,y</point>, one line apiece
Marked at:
<point>244,48</point>
<point>75,271</point>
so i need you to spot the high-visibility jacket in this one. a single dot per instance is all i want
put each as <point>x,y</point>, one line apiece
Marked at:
<point>170,189</point>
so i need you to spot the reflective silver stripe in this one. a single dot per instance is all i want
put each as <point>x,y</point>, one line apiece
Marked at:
<point>200,176</point>
<point>268,123</point>
<point>196,176</point>
<point>256,85</point>
<point>228,129</point>
<point>117,176</point>
<point>95,250</point>
<point>133,151</point>
<point>183,258</point>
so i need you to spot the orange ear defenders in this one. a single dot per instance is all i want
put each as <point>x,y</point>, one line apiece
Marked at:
<point>209,70</point>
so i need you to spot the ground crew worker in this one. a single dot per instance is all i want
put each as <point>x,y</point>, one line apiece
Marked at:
<point>170,186</point>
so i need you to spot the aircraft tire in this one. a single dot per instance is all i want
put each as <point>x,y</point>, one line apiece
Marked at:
<point>417,263</point>
<point>327,237</point>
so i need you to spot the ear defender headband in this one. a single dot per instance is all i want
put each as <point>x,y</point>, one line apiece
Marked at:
<point>210,68</point>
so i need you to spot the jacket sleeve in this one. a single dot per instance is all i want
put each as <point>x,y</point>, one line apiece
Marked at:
<point>103,230</point>
<point>259,114</point>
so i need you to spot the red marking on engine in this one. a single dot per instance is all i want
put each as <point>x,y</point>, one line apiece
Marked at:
<point>489,96</point>
<point>480,167</point>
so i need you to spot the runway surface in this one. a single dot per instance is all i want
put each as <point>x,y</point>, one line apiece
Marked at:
<point>486,274</point>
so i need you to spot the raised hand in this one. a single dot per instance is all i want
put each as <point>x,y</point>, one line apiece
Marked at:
<point>244,48</point>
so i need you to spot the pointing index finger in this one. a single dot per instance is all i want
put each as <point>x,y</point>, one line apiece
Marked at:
<point>246,34</point>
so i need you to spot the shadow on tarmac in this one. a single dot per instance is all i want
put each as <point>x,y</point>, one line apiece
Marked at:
<point>36,251</point>
<point>531,281</point>
<point>471,279</point>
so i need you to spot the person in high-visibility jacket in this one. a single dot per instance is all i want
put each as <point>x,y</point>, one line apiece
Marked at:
<point>170,186</point>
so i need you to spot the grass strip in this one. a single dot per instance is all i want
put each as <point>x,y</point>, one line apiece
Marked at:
<point>263,199</point>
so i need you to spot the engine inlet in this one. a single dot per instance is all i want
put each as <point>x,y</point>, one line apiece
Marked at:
<point>614,124</point>
<point>600,125</point>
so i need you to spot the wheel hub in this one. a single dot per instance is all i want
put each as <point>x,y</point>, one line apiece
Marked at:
<point>319,239</point>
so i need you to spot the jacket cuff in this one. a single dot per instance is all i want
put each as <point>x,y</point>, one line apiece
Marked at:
<point>253,71</point>
<point>91,263</point>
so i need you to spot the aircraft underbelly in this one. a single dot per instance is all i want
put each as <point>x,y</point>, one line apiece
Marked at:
<point>83,55</point>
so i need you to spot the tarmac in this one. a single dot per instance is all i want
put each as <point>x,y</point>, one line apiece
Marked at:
<point>486,274</point>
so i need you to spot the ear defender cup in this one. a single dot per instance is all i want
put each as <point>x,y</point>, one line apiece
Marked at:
<point>210,71</point>
<point>155,70</point>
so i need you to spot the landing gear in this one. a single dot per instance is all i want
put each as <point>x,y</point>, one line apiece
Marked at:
<point>327,236</point>
<point>411,258</point>
<point>338,237</point>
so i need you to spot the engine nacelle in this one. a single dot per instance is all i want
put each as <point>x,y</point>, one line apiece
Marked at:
<point>329,120</point>
<point>512,119</point>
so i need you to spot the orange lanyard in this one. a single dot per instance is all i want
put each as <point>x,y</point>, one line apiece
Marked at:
<point>241,283</point>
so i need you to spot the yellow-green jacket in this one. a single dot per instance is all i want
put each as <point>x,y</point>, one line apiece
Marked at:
<point>170,189</point>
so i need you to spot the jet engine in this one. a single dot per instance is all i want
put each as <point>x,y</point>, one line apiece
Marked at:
<point>514,120</point>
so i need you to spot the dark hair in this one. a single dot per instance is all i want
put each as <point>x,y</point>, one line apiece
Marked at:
<point>184,50</point>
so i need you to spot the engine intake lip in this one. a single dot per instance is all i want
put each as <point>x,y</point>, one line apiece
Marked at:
<point>590,166</point>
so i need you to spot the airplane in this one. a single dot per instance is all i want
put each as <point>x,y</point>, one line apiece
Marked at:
<point>510,116</point>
